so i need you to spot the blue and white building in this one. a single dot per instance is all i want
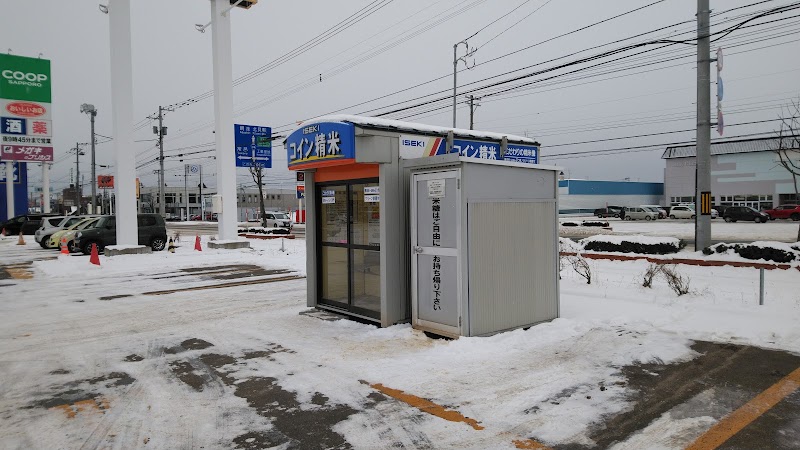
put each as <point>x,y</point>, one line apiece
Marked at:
<point>584,196</point>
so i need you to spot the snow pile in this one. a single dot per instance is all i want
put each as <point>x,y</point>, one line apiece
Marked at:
<point>648,245</point>
<point>766,251</point>
<point>568,245</point>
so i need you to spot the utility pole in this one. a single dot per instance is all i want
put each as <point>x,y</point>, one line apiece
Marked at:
<point>702,228</point>
<point>92,111</point>
<point>78,186</point>
<point>456,59</point>
<point>472,107</point>
<point>161,131</point>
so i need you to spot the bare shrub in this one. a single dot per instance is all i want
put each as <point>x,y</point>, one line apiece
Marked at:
<point>678,283</point>
<point>581,267</point>
<point>651,272</point>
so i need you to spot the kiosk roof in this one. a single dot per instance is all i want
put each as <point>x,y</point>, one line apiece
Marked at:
<point>412,127</point>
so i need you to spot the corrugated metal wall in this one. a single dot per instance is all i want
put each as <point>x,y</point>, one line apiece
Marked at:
<point>512,265</point>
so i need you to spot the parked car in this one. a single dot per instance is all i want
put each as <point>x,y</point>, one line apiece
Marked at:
<point>682,212</point>
<point>26,223</point>
<point>152,232</point>
<point>278,220</point>
<point>714,213</point>
<point>784,212</point>
<point>52,224</point>
<point>662,213</point>
<point>735,213</point>
<point>69,232</point>
<point>639,213</point>
<point>610,211</point>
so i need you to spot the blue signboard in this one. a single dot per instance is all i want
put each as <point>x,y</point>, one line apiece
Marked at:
<point>321,144</point>
<point>253,146</point>
<point>522,153</point>
<point>20,189</point>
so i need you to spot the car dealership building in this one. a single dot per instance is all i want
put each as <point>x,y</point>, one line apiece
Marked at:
<point>743,173</point>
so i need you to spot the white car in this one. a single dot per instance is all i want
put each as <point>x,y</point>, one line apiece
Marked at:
<point>278,220</point>
<point>52,224</point>
<point>682,212</point>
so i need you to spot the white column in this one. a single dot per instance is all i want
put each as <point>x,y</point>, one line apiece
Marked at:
<point>10,189</point>
<point>223,117</point>
<point>45,188</point>
<point>119,12</point>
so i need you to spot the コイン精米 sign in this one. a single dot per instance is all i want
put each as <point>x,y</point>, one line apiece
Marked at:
<point>413,146</point>
<point>25,119</point>
<point>326,143</point>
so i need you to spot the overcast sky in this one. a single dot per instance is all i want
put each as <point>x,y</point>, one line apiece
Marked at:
<point>401,44</point>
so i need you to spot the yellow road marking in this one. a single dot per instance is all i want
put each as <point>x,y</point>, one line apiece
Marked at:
<point>429,407</point>
<point>72,410</point>
<point>530,444</point>
<point>737,420</point>
<point>19,273</point>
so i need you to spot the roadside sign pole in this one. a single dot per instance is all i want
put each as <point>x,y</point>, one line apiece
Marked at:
<point>10,189</point>
<point>223,116</point>
<point>45,188</point>
<point>119,14</point>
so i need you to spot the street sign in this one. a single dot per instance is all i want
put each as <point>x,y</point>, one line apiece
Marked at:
<point>253,146</point>
<point>105,181</point>
<point>719,59</point>
<point>720,121</point>
<point>194,169</point>
<point>720,89</point>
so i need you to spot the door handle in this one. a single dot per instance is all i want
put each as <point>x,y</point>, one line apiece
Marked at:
<point>417,250</point>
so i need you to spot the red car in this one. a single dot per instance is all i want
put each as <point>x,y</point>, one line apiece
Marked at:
<point>784,212</point>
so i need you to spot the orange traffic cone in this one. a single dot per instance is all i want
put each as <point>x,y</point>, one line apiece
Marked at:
<point>21,241</point>
<point>64,249</point>
<point>197,244</point>
<point>94,258</point>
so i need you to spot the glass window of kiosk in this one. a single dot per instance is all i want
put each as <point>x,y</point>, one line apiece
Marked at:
<point>348,253</point>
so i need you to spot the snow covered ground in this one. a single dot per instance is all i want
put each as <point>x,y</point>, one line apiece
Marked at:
<point>87,359</point>
<point>776,230</point>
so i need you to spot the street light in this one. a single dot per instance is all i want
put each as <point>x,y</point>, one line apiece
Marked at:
<point>92,111</point>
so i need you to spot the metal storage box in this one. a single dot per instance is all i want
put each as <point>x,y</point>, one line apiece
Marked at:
<point>484,245</point>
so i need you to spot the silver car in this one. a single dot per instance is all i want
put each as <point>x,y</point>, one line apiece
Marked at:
<point>639,213</point>
<point>52,224</point>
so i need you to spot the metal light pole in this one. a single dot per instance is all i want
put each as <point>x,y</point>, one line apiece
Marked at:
<point>92,111</point>
<point>456,59</point>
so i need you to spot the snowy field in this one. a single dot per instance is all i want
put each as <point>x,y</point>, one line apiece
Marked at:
<point>88,359</point>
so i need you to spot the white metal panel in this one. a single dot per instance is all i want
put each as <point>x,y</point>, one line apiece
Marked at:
<point>513,263</point>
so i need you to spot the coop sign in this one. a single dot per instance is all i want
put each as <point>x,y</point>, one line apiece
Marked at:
<point>321,144</point>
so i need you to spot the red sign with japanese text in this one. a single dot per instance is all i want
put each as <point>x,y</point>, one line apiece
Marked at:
<point>33,153</point>
<point>26,109</point>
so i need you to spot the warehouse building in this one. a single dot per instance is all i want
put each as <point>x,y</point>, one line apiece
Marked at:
<point>584,196</point>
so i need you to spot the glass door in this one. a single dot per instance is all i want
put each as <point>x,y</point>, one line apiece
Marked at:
<point>349,250</point>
